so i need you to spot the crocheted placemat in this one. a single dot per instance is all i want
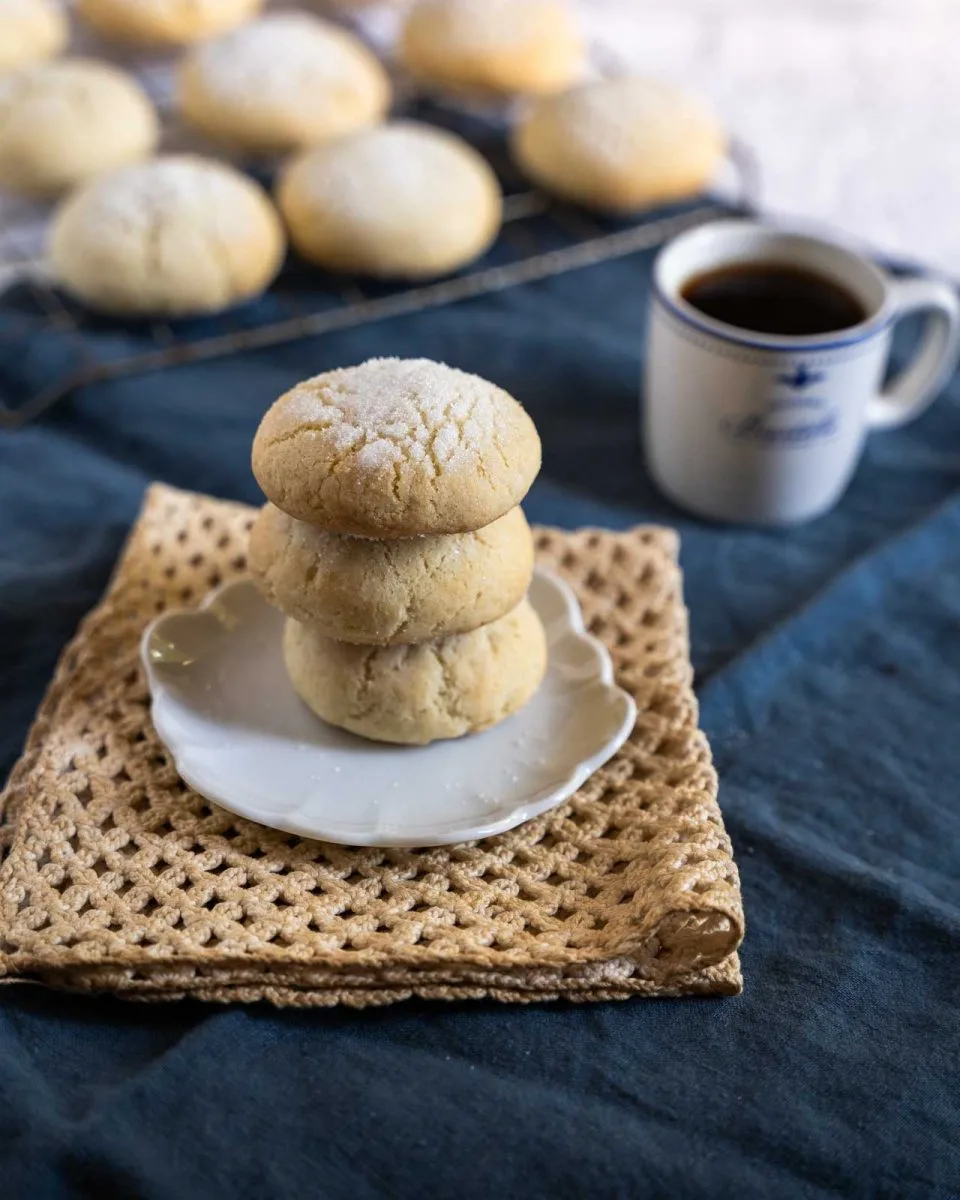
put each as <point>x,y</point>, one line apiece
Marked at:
<point>115,876</point>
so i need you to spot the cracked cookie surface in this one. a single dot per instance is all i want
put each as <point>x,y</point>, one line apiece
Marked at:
<point>418,694</point>
<point>403,200</point>
<point>396,591</point>
<point>396,448</point>
<point>177,236</point>
<point>62,123</point>
<point>286,81</point>
<point>619,144</point>
<point>498,46</point>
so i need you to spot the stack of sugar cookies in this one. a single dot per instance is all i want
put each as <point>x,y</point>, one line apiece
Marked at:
<point>394,544</point>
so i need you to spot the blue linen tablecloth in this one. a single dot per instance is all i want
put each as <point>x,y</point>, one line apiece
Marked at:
<point>828,664</point>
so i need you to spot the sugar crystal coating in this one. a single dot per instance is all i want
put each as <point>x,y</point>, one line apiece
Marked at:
<point>395,448</point>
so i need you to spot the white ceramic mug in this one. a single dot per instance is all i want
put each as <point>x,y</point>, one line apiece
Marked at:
<point>765,428</point>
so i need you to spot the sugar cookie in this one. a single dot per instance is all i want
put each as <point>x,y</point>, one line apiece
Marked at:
<point>177,236</point>
<point>165,22</point>
<point>403,200</point>
<point>62,123</point>
<point>396,448</point>
<point>502,46</point>
<point>395,591</point>
<point>417,694</point>
<point>30,31</point>
<point>620,144</point>
<point>283,82</point>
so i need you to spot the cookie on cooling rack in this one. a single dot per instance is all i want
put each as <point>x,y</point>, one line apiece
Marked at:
<point>396,591</point>
<point>64,122</point>
<point>396,448</point>
<point>178,236</point>
<point>165,22</point>
<point>620,144</point>
<point>401,201</point>
<point>419,694</point>
<point>286,81</point>
<point>494,46</point>
<point>30,31</point>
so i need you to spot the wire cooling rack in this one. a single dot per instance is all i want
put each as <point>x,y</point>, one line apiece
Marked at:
<point>50,345</point>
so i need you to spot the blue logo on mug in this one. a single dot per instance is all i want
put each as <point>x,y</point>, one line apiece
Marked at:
<point>802,377</point>
<point>769,428</point>
<point>794,419</point>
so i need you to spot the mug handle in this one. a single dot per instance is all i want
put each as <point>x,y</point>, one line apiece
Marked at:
<point>909,392</point>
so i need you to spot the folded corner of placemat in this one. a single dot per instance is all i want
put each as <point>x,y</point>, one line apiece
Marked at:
<point>116,876</point>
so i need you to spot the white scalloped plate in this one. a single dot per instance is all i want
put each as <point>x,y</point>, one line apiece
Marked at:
<point>240,735</point>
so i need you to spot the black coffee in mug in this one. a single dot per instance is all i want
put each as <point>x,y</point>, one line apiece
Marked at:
<point>770,297</point>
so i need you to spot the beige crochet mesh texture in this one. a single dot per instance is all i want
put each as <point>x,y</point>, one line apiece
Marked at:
<point>114,875</point>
